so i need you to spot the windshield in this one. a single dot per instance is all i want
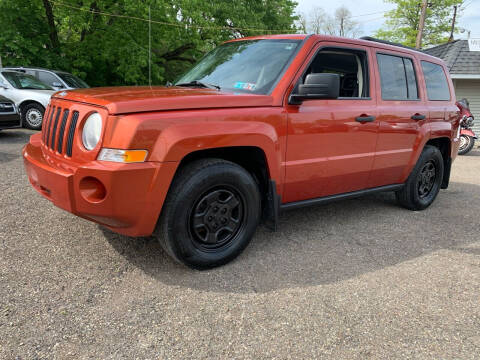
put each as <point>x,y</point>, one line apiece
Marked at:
<point>24,81</point>
<point>72,80</point>
<point>251,66</point>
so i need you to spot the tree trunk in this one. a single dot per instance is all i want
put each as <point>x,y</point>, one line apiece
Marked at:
<point>53,35</point>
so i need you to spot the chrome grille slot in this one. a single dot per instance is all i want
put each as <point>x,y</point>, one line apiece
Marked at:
<point>54,131</point>
<point>71,133</point>
<point>52,112</point>
<point>45,124</point>
<point>61,132</point>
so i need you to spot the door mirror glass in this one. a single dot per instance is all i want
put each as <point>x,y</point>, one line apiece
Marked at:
<point>317,86</point>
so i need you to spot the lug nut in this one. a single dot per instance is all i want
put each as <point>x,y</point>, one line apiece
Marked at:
<point>210,218</point>
<point>224,221</point>
<point>215,209</point>
<point>224,211</point>
<point>215,225</point>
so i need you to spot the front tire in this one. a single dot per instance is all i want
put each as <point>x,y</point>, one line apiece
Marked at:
<point>210,215</point>
<point>32,116</point>
<point>424,182</point>
<point>466,144</point>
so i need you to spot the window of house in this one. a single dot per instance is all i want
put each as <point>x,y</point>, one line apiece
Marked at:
<point>436,81</point>
<point>397,78</point>
<point>351,65</point>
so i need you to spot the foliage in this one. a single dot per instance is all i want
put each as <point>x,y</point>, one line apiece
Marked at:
<point>109,50</point>
<point>402,22</point>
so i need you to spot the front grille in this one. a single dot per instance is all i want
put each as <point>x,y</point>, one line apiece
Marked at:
<point>71,132</point>
<point>61,133</point>
<point>57,121</point>
<point>54,131</point>
<point>6,108</point>
<point>47,132</point>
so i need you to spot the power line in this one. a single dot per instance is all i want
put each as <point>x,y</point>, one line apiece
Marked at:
<point>166,23</point>
<point>374,13</point>
<point>364,21</point>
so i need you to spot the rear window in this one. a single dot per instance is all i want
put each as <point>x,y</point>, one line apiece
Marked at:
<point>397,78</point>
<point>436,81</point>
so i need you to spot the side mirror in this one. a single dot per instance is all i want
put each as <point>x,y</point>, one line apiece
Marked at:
<point>57,84</point>
<point>3,86</point>
<point>317,86</point>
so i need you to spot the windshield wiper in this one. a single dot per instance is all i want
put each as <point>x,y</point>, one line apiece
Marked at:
<point>200,84</point>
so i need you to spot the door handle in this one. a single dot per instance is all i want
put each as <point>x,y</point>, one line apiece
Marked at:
<point>365,118</point>
<point>418,117</point>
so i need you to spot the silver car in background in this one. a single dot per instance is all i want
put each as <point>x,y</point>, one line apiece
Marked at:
<point>59,80</point>
<point>30,96</point>
<point>9,117</point>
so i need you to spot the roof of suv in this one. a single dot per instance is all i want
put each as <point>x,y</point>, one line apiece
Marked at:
<point>33,68</point>
<point>365,41</point>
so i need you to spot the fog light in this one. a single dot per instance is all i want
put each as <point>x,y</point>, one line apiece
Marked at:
<point>92,189</point>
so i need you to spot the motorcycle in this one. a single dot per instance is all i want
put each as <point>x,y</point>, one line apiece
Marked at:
<point>467,136</point>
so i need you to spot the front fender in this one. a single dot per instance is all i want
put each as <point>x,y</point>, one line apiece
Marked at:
<point>468,132</point>
<point>180,140</point>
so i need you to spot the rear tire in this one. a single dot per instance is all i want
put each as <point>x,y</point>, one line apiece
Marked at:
<point>32,116</point>
<point>466,144</point>
<point>210,215</point>
<point>424,182</point>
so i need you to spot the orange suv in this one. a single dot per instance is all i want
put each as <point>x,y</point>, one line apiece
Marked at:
<point>258,126</point>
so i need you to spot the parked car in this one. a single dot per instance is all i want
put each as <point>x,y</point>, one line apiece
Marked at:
<point>9,116</point>
<point>260,125</point>
<point>58,80</point>
<point>30,96</point>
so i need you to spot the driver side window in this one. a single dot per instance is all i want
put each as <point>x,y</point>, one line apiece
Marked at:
<point>351,65</point>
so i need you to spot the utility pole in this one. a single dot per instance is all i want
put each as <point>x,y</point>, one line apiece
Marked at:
<point>421,24</point>
<point>149,45</point>
<point>450,39</point>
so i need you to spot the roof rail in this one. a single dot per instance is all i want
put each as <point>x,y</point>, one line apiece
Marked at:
<point>369,38</point>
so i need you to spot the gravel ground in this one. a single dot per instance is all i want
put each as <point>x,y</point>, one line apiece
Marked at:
<point>356,279</point>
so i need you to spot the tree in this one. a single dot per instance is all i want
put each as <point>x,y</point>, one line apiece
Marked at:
<point>78,37</point>
<point>319,22</point>
<point>341,24</point>
<point>402,22</point>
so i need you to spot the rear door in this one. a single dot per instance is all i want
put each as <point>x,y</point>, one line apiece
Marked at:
<point>402,114</point>
<point>331,143</point>
<point>440,100</point>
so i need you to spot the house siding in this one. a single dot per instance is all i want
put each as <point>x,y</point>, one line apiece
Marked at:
<point>470,89</point>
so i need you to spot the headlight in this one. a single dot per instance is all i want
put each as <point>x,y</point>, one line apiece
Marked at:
<point>92,131</point>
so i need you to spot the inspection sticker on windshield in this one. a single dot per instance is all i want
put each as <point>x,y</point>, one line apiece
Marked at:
<point>245,86</point>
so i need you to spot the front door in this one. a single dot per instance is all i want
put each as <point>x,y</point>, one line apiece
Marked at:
<point>331,143</point>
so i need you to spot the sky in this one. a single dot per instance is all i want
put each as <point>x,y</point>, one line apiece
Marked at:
<point>470,19</point>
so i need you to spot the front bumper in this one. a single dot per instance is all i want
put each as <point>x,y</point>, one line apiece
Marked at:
<point>10,121</point>
<point>129,202</point>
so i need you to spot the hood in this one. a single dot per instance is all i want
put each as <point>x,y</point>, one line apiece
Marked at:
<point>123,100</point>
<point>42,96</point>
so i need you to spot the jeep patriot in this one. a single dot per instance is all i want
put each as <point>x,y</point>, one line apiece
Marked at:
<point>259,125</point>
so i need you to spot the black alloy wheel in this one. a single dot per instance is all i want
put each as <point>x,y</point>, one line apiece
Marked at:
<point>426,179</point>
<point>216,218</point>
